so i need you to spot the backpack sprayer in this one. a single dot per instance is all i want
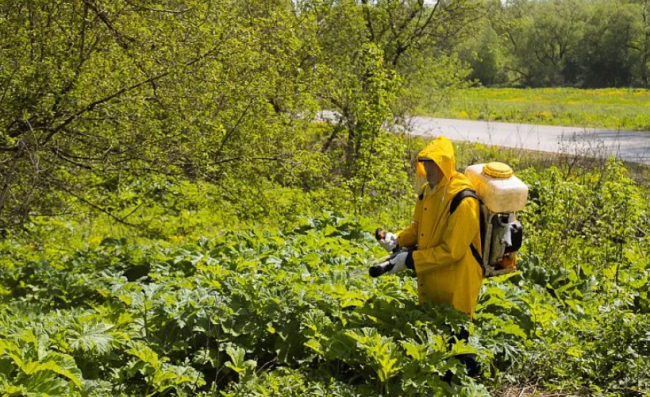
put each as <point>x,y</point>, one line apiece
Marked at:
<point>501,195</point>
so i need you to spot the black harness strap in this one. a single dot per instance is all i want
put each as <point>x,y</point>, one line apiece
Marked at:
<point>477,256</point>
<point>460,196</point>
<point>455,202</point>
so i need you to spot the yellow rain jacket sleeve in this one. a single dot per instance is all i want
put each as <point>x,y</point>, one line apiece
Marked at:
<point>447,271</point>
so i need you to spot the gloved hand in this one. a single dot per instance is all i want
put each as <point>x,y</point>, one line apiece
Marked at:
<point>401,261</point>
<point>387,240</point>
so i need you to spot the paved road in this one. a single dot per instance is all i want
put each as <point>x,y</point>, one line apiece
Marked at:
<point>632,146</point>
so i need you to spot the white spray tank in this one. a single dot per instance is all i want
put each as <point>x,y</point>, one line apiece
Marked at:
<point>502,195</point>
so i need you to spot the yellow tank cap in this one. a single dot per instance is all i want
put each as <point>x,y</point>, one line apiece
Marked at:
<point>497,170</point>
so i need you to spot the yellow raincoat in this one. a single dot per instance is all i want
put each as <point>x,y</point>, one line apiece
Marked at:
<point>447,271</point>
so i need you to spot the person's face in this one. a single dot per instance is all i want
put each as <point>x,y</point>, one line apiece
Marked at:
<point>434,173</point>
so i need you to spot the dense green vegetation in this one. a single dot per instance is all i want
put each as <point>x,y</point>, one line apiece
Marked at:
<point>282,304</point>
<point>95,93</point>
<point>625,109</point>
<point>174,222</point>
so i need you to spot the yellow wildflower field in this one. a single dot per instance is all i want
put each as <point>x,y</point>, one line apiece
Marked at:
<point>620,108</point>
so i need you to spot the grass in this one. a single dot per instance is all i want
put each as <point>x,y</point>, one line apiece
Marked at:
<point>625,109</point>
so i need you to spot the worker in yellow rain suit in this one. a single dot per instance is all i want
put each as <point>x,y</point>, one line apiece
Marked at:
<point>447,271</point>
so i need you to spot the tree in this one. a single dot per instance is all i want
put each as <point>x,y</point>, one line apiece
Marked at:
<point>604,54</point>
<point>95,94</point>
<point>640,42</point>
<point>93,90</point>
<point>568,42</point>
<point>542,38</point>
<point>485,51</point>
<point>407,34</point>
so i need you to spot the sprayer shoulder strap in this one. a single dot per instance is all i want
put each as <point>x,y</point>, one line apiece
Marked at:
<point>460,196</point>
<point>455,202</point>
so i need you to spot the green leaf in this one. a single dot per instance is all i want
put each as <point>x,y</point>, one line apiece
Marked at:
<point>65,369</point>
<point>144,354</point>
<point>413,350</point>
<point>315,346</point>
<point>92,337</point>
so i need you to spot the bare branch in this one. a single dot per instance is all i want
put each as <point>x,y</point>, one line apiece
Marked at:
<point>6,84</point>
<point>119,36</point>
<point>137,7</point>
<point>9,176</point>
<point>244,158</point>
<point>59,154</point>
<point>97,207</point>
<point>93,105</point>
<point>9,148</point>
<point>235,127</point>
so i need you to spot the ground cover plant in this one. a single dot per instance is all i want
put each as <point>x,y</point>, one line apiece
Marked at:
<point>625,109</point>
<point>284,306</point>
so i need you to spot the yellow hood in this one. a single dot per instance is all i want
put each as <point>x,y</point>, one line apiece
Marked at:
<point>441,151</point>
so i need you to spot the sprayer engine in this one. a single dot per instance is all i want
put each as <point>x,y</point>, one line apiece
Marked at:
<point>501,236</point>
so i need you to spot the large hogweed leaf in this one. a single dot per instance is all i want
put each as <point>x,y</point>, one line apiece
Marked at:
<point>238,362</point>
<point>33,368</point>
<point>92,337</point>
<point>382,352</point>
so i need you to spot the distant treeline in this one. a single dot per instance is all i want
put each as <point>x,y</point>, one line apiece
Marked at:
<point>581,43</point>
